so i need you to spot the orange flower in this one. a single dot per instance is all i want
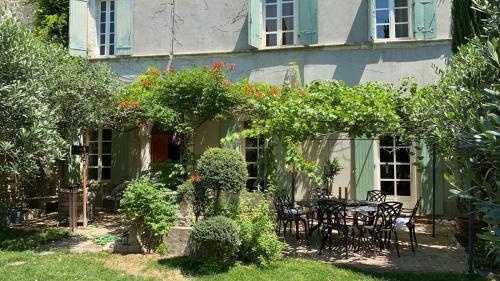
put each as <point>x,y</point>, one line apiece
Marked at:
<point>135,104</point>
<point>122,104</point>
<point>302,93</point>
<point>275,91</point>
<point>196,178</point>
<point>227,83</point>
<point>146,84</point>
<point>231,66</point>
<point>154,72</point>
<point>171,68</point>
<point>217,65</point>
<point>259,94</point>
<point>249,90</point>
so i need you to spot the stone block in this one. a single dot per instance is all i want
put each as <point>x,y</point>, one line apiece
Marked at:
<point>178,241</point>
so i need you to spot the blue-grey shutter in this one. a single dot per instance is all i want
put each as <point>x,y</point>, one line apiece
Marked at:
<point>425,19</point>
<point>308,22</point>
<point>254,23</point>
<point>426,179</point>
<point>364,166</point>
<point>124,27</point>
<point>78,11</point>
<point>372,20</point>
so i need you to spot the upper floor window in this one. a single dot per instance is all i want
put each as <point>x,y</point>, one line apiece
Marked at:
<point>279,22</point>
<point>107,27</point>
<point>99,167</point>
<point>392,19</point>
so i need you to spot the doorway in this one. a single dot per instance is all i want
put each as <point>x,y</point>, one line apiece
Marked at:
<point>164,147</point>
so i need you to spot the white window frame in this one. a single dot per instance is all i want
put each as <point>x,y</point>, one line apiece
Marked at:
<point>408,200</point>
<point>100,155</point>
<point>392,21</point>
<point>279,32</point>
<point>107,34</point>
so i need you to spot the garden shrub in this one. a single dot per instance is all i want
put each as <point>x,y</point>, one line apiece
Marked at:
<point>145,205</point>
<point>197,194</point>
<point>170,174</point>
<point>224,172</point>
<point>259,242</point>
<point>217,237</point>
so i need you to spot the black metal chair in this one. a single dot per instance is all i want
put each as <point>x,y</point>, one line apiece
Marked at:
<point>289,214</point>
<point>383,224</point>
<point>334,217</point>
<point>376,196</point>
<point>408,218</point>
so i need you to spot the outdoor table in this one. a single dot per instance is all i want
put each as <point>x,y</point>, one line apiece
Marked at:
<point>355,206</point>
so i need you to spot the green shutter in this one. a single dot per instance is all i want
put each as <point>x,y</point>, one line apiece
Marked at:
<point>364,167</point>
<point>254,23</point>
<point>308,22</point>
<point>372,20</point>
<point>124,22</point>
<point>78,10</point>
<point>425,19</point>
<point>119,158</point>
<point>426,181</point>
<point>227,128</point>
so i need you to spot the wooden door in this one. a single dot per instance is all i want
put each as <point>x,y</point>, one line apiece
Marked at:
<point>159,147</point>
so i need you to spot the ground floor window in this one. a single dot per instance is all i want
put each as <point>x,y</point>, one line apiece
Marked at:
<point>395,166</point>
<point>254,152</point>
<point>99,165</point>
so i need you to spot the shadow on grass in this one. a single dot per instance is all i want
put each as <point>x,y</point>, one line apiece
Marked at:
<point>194,266</point>
<point>22,239</point>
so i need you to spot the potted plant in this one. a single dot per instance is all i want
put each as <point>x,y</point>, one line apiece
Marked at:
<point>330,170</point>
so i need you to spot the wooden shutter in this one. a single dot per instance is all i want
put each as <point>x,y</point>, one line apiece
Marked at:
<point>254,23</point>
<point>372,20</point>
<point>308,22</point>
<point>426,181</point>
<point>424,23</point>
<point>364,166</point>
<point>78,10</point>
<point>124,27</point>
<point>119,157</point>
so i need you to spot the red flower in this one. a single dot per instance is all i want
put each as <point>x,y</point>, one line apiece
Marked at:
<point>231,66</point>
<point>146,84</point>
<point>302,93</point>
<point>249,90</point>
<point>154,72</point>
<point>135,104</point>
<point>259,94</point>
<point>196,178</point>
<point>217,65</point>
<point>171,68</point>
<point>293,83</point>
<point>122,104</point>
<point>227,83</point>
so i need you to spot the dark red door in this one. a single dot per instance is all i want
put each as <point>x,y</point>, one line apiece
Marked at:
<point>159,147</point>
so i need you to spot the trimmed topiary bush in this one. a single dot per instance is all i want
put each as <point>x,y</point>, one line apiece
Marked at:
<point>217,237</point>
<point>224,172</point>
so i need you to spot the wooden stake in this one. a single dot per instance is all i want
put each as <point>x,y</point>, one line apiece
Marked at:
<point>84,176</point>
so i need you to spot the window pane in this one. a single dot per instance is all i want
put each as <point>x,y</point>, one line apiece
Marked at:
<point>111,39</point>
<point>106,147</point>
<point>270,1</point>
<point>403,155</point>
<point>112,16</point>
<point>386,141</point>
<point>251,155</point>
<point>103,28</point>
<point>252,170</point>
<point>387,186</point>
<point>287,9</point>
<point>403,171</point>
<point>271,40</point>
<point>111,50</point>
<point>103,17</point>
<point>112,5</point>
<point>271,25</point>
<point>102,50</point>
<point>112,27</point>
<point>386,155</point>
<point>93,160</point>
<point>382,4</point>
<point>103,6</point>
<point>287,38</point>
<point>106,134</point>
<point>251,142</point>
<point>93,148</point>
<point>404,188</point>
<point>287,24</point>
<point>106,160</point>
<point>92,174</point>
<point>103,39</point>
<point>401,30</point>
<point>400,3</point>
<point>386,171</point>
<point>106,174</point>
<point>271,11</point>
<point>383,16</point>
<point>401,15</point>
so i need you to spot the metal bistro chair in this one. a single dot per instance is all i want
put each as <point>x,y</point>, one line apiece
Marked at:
<point>376,196</point>
<point>334,216</point>
<point>383,223</point>
<point>407,219</point>
<point>288,214</point>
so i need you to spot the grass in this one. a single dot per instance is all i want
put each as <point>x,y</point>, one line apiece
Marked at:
<point>20,239</point>
<point>294,270</point>
<point>29,265</point>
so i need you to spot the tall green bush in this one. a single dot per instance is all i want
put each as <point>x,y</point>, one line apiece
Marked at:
<point>224,173</point>
<point>144,203</point>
